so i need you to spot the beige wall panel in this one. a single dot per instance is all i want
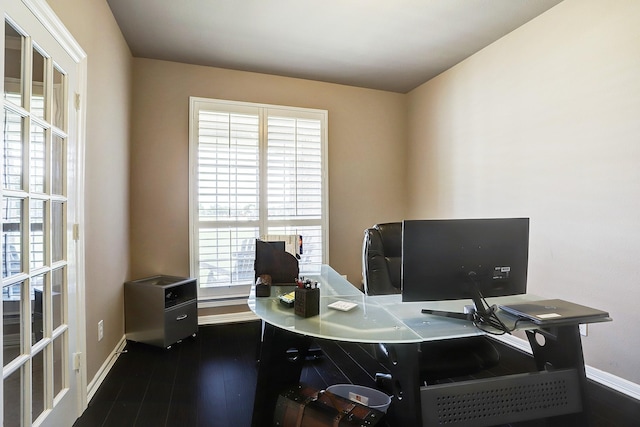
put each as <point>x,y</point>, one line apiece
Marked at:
<point>107,170</point>
<point>367,137</point>
<point>544,124</point>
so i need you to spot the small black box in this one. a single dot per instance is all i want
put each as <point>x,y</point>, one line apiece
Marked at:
<point>263,286</point>
<point>263,290</point>
<point>307,302</point>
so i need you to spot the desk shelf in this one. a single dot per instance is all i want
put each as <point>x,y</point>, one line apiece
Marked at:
<point>502,400</point>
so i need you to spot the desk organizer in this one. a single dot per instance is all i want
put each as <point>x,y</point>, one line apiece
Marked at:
<point>307,302</point>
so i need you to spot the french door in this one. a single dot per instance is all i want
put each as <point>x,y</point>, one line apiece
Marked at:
<point>41,251</point>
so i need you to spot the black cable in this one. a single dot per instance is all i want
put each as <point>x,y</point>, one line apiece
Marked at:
<point>486,314</point>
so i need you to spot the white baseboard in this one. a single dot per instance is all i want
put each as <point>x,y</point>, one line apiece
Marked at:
<point>606,379</point>
<point>223,302</point>
<point>217,319</point>
<point>97,380</point>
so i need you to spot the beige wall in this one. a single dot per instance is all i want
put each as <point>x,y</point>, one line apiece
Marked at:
<point>545,123</point>
<point>107,170</point>
<point>156,187</point>
<point>367,134</point>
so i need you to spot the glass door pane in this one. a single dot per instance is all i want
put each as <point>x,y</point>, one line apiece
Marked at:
<point>57,294</point>
<point>37,295</point>
<point>37,160</point>
<point>38,101</point>
<point>57,231</point>
<point>57,164</point>
<point>36,237</point>
<point>13,401</point>
<point>12,322</point>
<point>38,384</point>
<point>58,104</point>
<point>13,42</point>
<point>58,365</point>
<point>12,151</point>
<point>11,236</point>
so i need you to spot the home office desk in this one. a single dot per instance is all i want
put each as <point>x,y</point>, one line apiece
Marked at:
<point>557,390</point>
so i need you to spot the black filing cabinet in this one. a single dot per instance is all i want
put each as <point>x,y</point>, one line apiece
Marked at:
<point>160,310</point>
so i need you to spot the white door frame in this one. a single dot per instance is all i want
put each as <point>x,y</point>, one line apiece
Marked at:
<point>76,165</point>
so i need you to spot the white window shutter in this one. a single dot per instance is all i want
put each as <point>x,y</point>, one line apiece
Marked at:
<point>231,207</point>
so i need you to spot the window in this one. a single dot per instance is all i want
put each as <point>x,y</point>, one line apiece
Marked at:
<point>256,170</point>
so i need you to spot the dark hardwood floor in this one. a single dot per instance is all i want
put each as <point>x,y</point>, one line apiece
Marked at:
<point>210,380</point>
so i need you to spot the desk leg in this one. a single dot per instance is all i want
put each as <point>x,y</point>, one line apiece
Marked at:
<point>406,409</point>
<point>277,370</point>
<point>562,349</point>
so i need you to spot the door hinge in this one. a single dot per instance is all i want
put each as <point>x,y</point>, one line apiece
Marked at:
<point>77,361</point>
<point>77,102</point>
<point>76,231</point>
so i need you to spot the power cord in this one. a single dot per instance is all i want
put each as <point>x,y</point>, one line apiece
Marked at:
<point>484,316</point>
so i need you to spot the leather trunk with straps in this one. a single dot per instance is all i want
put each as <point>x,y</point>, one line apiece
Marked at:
<point>304,406</point>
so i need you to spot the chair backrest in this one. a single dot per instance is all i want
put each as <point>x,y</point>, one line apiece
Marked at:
<point>382,259</point>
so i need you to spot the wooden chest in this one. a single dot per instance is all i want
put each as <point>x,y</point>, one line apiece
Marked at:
<point>304,406</point>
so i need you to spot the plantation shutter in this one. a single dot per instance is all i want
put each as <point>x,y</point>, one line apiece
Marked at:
<point>260,172</point>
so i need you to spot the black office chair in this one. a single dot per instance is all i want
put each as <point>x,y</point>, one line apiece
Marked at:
<point>381,267</point>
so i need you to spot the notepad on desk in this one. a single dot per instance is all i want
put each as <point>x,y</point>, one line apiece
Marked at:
<point>342,305</point>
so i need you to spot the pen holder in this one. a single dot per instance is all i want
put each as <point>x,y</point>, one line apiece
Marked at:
<point>307,302</point>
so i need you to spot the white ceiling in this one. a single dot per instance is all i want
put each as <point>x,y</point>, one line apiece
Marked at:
<point>392,45</point>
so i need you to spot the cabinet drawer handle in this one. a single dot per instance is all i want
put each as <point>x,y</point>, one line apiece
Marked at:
<point>181,317</point>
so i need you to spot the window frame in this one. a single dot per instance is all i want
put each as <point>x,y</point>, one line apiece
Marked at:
<point>225,295</point>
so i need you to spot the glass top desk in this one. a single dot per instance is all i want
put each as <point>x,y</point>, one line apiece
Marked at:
<point>386,319</point>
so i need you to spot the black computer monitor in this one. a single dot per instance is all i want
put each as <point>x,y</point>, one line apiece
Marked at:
<point>454,258</point>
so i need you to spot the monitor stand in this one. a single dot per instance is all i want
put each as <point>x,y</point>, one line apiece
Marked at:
<point>480,318</point>
<point>453,314</point>
<point>482,313</point>
<point>479,308</point>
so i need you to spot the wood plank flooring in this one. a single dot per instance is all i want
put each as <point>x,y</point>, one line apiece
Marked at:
<point>209,381</point>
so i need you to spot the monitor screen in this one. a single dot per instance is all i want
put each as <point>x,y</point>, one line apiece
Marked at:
<point>441,259</point>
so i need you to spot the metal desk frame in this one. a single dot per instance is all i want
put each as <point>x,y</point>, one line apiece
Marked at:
<point>556,391</point>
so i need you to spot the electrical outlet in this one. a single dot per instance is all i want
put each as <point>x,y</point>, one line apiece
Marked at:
<point>583,329</point>
<point>100,330</point>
